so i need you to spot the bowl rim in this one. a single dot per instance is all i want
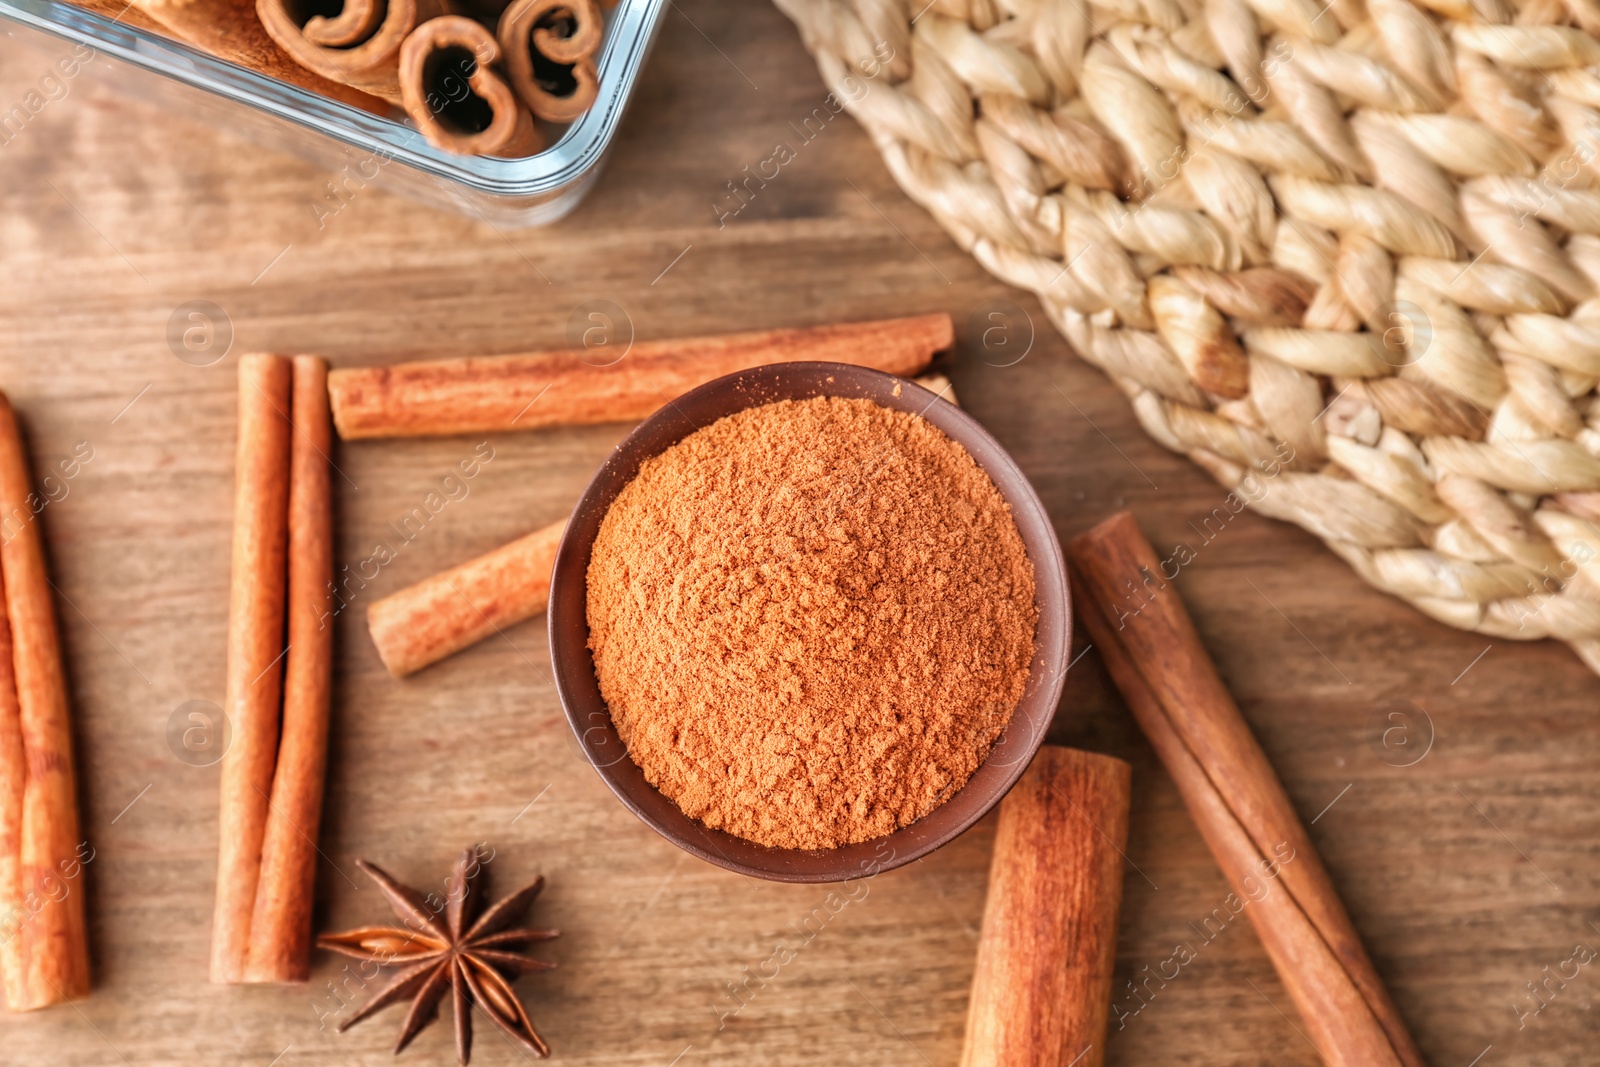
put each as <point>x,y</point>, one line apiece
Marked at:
<point>572,662</point>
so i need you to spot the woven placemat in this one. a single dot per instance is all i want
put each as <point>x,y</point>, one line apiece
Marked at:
<point>1345,257</point>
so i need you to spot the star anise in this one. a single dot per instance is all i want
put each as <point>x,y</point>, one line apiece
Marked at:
<point>472,958</point>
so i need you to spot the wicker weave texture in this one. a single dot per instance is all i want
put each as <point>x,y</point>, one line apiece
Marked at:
<point>1344,257</point>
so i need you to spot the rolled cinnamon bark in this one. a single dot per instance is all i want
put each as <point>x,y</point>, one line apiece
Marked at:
<point>940,386</point>
<point>45,954</point>
<point>255,651</point>
<point>451,92</point>
<point>1169,683</point>
<point>553,72</point>
<point>280,926</point>
<point>426,622</point>
<point>358,47</point>
<point>557,388</point>
<point>1041,990</point>
<point>13,783</point>
<point>229,29</point>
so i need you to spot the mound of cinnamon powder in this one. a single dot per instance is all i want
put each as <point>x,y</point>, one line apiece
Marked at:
<point>811,620</point>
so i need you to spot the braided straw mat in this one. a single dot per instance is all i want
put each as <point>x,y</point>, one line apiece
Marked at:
<point>1364,236</point>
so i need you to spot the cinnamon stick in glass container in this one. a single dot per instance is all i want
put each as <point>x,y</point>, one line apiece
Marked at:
<point>1169,683</point>
<point>560,388</point>
<point>441,615</point>
<point>44,947</point>
<point>122,12</point>
<point>229,29</point>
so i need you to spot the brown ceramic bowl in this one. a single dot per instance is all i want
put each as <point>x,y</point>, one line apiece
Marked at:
<point>591,719</point>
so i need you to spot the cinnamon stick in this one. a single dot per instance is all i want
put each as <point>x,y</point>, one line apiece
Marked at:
<point>1041,990</point>
<point>13,793</point>
<point>457,100</point>
<point>558,388</point>
<point>280,926</point>
<point>1169,683</point>
<point>44,947</point>
<point>445,613</point>
<point>554,74</point>
<point>358,47</point>
<point>255,651</point>
<point>229,29</point>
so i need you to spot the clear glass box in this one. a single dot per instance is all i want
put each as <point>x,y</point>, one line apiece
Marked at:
<point>506,192</point>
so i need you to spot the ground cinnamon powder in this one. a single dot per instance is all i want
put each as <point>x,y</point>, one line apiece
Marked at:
<point>811,620</point>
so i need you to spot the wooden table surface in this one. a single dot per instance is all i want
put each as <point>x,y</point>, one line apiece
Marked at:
<point>1450,781</point>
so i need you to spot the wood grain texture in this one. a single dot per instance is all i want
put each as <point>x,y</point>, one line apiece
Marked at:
<point>1457,917</point>
<point>1041,986</point>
